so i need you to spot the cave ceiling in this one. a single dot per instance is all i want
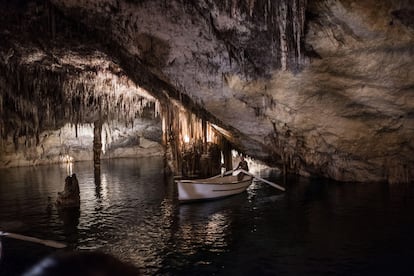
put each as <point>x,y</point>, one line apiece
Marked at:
<point>325,87</point>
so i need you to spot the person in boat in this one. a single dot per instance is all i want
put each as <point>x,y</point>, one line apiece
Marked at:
<point>242,165</point>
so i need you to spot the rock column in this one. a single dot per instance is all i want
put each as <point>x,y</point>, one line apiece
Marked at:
<point>97,147</point>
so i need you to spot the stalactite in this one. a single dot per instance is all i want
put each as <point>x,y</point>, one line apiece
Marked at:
<point>41,97</point>
<point>233,8</point>
<point>250,4</point>
<point>296,33</point>
<point>282,15</point>
<point>282,21</point>
<point>193,141</point>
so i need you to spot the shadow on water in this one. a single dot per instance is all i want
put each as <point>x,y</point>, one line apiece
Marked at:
<point>70,218</point>
<point>97,180</point>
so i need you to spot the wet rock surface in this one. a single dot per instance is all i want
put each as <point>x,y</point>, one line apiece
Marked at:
<point>324,88</point>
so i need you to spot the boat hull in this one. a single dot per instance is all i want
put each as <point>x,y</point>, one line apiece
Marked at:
<point>211,188</point>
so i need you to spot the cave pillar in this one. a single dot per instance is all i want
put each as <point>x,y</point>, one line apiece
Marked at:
<point>97,147</point>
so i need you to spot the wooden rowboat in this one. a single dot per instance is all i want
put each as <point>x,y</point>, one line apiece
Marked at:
<point>212,188</point>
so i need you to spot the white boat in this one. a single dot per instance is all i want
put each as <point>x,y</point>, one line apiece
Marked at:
<point>212,188</point>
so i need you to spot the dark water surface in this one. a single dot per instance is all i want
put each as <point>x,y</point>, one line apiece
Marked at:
<point>315,228</point>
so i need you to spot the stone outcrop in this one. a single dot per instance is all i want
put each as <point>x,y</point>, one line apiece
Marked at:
<point>70,196</point>
<point>322,87</point>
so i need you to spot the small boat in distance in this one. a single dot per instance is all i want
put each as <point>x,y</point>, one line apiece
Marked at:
<point>212,188</point>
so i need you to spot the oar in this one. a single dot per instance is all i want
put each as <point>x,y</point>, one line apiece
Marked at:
<point>263,180</point>
<point>224,174</point>
<point>33,239</point>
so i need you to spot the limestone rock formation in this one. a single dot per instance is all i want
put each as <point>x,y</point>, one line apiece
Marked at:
<point>70,196</point>
<point>323,87</point>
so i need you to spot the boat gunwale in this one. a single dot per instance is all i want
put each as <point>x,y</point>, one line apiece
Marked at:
<point>208,181</point>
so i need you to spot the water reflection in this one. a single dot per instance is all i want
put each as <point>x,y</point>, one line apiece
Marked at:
<point>97,179</point>
<point>148,240</point>
<point>131,211</point>
<point>204,230</point>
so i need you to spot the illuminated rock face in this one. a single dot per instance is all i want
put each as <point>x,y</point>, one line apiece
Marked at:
<point>327,94</point>
<point>73,143</point>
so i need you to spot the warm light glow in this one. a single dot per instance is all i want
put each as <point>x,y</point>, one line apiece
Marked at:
<point>66,159</point>
<point>221,130</point>
<point>104,186</point>
<point>187,129</point>
<point>69,168</point>
<point>69,163</point>
<point>216,229</point>
<point>210,133</point>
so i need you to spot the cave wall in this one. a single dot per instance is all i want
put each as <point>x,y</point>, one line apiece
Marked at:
<point>197,46</point>
<point>55,82</point>
<point>323,87</point>
<point>349,114</point>
<point>73,143</point>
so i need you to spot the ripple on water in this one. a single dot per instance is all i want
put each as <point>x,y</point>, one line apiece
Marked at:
<point>315,228</point>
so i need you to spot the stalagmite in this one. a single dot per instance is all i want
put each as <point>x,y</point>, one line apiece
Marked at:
<point>70,196</point>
